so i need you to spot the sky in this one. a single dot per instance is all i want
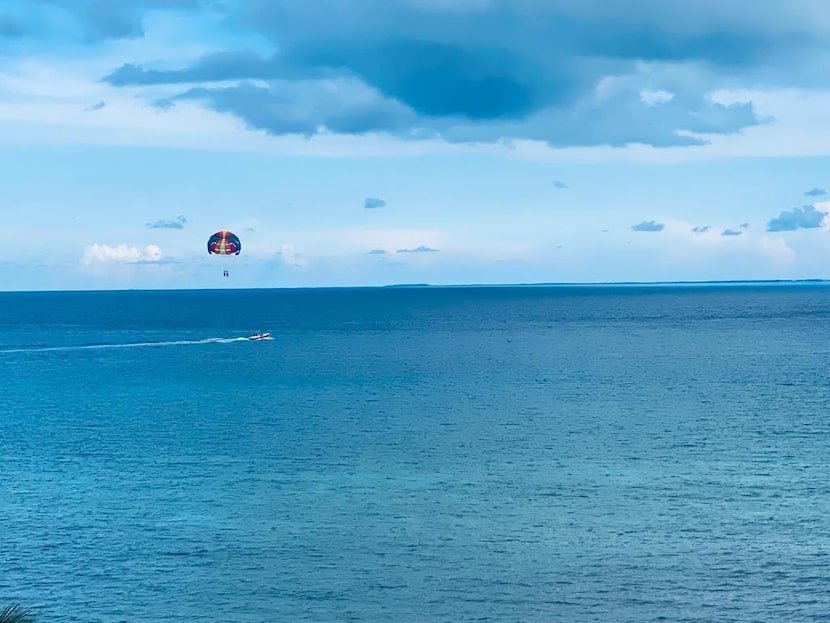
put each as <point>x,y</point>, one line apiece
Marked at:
<point>375,142</point>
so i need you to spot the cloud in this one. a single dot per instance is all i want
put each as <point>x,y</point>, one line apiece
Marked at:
<point>806,217</point>
<point>744,225</point>
<point>348,105</point>
<point>303,108</point>
<point>777,250</point>
<point>581,74</point>
<point>701,229</point>
<point>377,252</point>
<point>421,249</point>
<point>648,226</point>
<point>121,254</point>
<point>731,232</point>
<point>97,106</point>
<point>816,192</point>
<point>656,98</point>
<point>214,67</point>
<point>560,184</point>
<point>372,202</point>
<point>177,223</point>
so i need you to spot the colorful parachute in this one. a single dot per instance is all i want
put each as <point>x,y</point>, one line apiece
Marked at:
<point>224,243</point>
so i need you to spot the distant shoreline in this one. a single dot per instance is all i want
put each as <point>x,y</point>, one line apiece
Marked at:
<point>415,286</point>
<point>560,284</point>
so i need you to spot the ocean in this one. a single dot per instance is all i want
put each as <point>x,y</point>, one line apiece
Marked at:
<point>529,454</point>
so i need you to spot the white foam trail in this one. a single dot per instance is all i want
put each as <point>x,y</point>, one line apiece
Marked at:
<point>210,340</point>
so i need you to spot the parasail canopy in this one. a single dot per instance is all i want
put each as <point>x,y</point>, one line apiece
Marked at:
<point>224,242</point>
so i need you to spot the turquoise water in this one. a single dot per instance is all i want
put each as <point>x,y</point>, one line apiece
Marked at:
<point>432,454</point>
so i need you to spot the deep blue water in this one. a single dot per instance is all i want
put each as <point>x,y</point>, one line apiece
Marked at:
<point>442,454</point>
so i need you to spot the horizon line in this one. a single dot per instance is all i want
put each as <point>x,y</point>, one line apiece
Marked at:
<point>540,284</point>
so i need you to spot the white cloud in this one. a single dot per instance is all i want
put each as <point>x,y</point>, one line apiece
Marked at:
<point>120,254</point>
<point>823,206</point>
<point>655,98</point>
<point>776,249</point>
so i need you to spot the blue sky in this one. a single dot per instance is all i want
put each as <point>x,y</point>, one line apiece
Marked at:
<point>373,142</point>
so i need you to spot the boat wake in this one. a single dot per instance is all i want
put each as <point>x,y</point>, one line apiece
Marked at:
<point>40,348</point>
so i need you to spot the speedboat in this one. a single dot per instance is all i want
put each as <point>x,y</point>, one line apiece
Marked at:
<point>264,335</point>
